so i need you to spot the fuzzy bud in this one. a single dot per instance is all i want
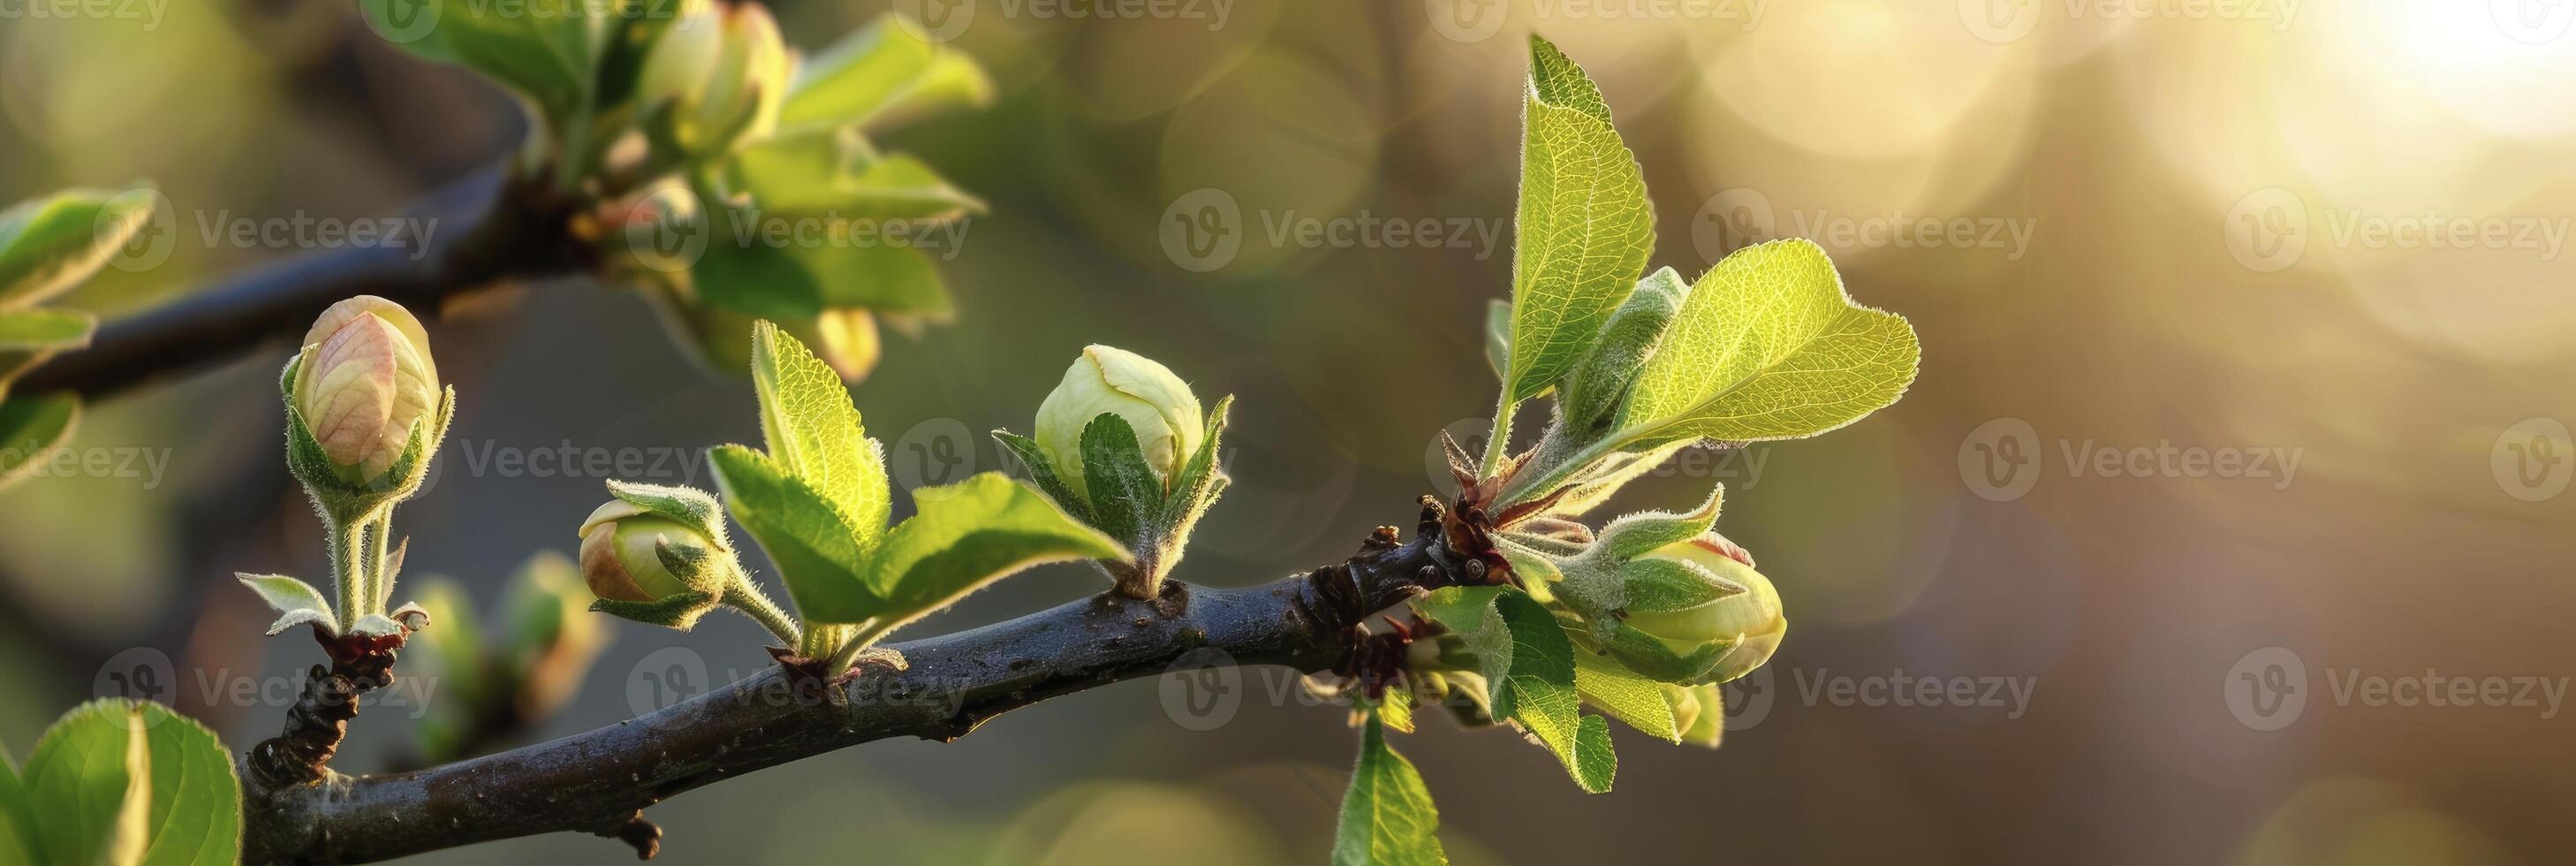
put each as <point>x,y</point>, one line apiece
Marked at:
<point>1752,618</point>
<point>627,555</point>
<point>1107,380</point>
<point>363,383</point>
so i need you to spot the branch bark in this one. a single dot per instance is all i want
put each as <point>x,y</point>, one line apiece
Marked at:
<point>492,227</point>
<point>598,782</point>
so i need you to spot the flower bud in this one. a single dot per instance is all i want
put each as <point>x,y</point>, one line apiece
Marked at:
<point>1751,618</point>
<point>1699,713</point>
<point>622,555</point>
<point>364,382</point>
<point>724,72</point>
<point>1153,402</point>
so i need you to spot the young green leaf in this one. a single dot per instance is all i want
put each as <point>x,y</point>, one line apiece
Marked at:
<point>1583,228</point>
<point>545,50</point>
<point>800,281</point>
<point>294,600</point>
<point>31,427</point>
<point>116,781</point>
<point>1635,700</point>
<point>1387,816</point>
<point>816,550</point>
<point>1042,473</point>
<point>49,244</point>
<point>964,535</point>
<point>45,330</point>
<point>1126,497</point>
<point>17,823</point>
<point>1539,692</point>
<point>882,74</point>
<point>813,430</point>
<point>834,172</point>
<point>1769,346</point>
<point>1589,396</point>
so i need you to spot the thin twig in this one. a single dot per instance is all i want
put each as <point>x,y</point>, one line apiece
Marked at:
<point>494,228</point>
<point>597,782</point>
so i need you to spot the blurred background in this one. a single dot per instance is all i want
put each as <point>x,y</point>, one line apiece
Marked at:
<point>2226,523</point>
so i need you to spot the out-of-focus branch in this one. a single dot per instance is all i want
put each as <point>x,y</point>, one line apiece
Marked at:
<point>599,782</point>
<point>493,227</point>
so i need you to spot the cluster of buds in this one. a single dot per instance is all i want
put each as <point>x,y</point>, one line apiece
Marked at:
<point>660,555</point>
<point>1122,445</point>
<point>501,677</point>
<point>1662,593</point>
<point>714,79</point>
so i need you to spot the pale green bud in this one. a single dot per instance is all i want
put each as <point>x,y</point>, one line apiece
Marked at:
<point>1699,713</point>
<point>623,555</point>
<point>682,59</point>
<point>1752,618</point>
<point>364,381</point>
<point>1156,404</point>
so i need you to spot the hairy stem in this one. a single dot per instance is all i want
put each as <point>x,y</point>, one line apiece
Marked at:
<point>742,596</point>
<point>597,782</point>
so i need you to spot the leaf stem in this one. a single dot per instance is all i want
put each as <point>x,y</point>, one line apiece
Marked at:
<point>747,599</point>
<point>867,634</point>
<point>1498,443</point>
<point>347,574</point>
<point>379,584</point>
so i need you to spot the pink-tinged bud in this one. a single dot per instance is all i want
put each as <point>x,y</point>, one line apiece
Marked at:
<point>621,560</point>
<point>366,380</point>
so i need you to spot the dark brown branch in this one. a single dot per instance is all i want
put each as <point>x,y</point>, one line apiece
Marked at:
<point>492,228</point>
<point>598,782</point>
